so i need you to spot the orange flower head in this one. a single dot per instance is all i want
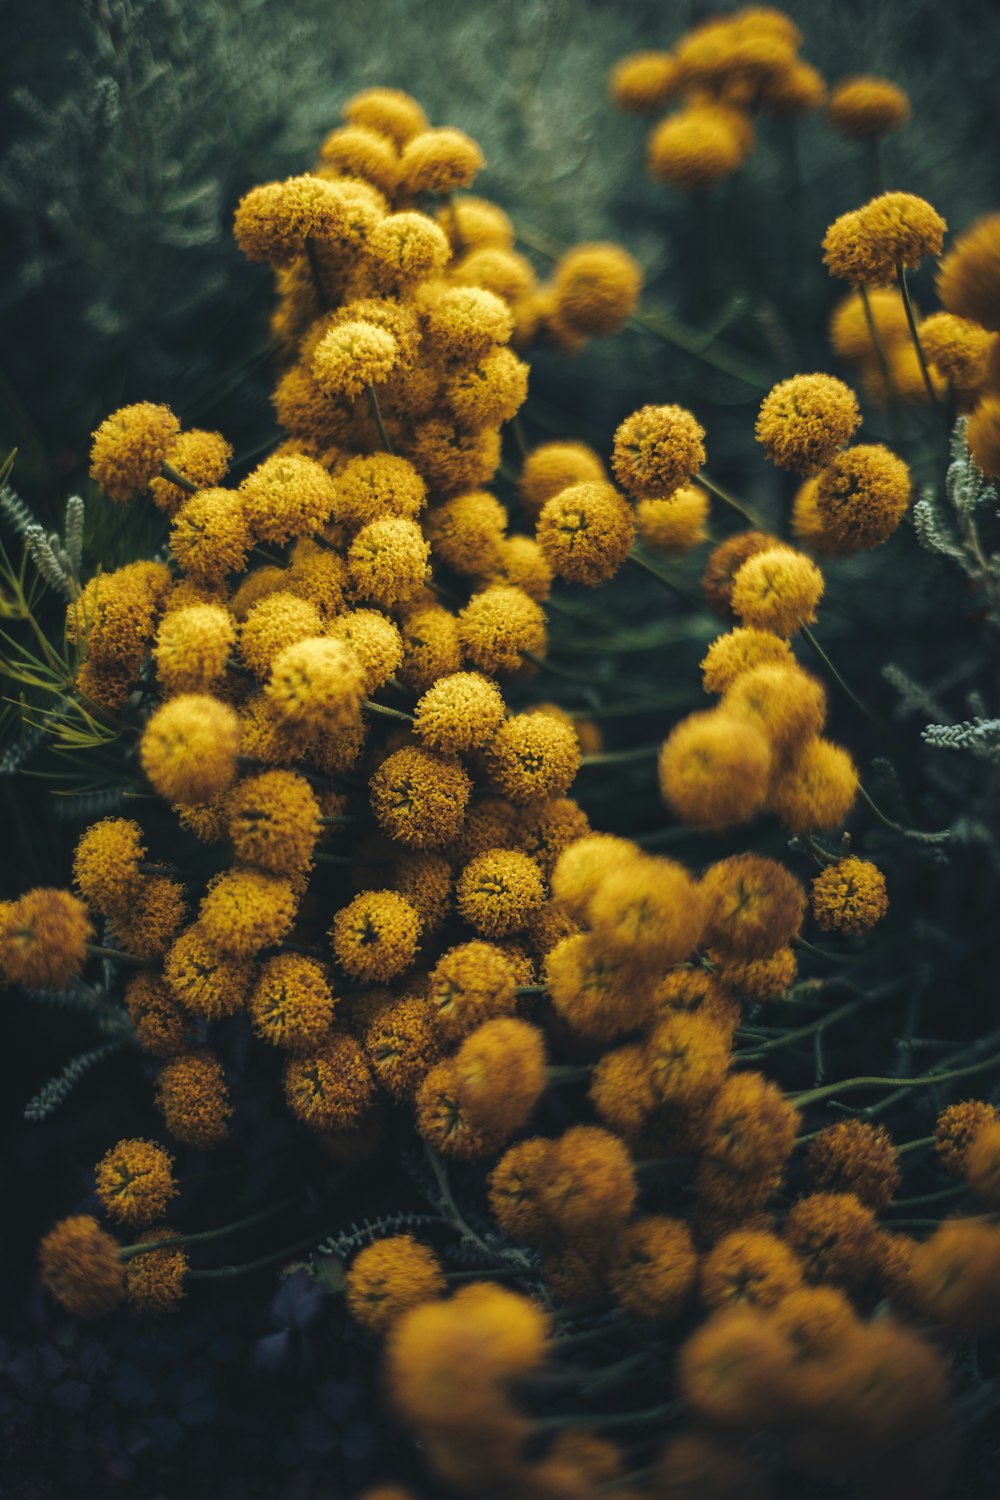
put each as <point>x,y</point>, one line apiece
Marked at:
<point>687,1055</point>
<point>755,906</point>
<point>460,712</point>
<point>815,789</point>
<point>499,626</point>
<point>192,1097</point>
<point>193,647</point>
<point>751,1127</point>
<point>375,937</point>
<point>154,1281</point>
<point>471,983</point>
<point>786,704</point>
<point>189,747</point>
<point>420,798</point>
<point>777,590</point>
<point>292,1005</point>
<point>516,1195</point>
<point>388,1277</point>
<point>444,1121</point>
<point>596,288</point>
<point>817,1320</point>
<point>204,981</point>
<point>804,421</point>
<point>757,979</point>
<point>500,1074</point>
<point>387,561</point>
<point>590,1184</point>
<point>644,82</point>
<point>533,755</point>
<point>106,865</point>
<point>498,892</point>
<point>202,458</point>
<point>210,535</point>
<point>135,1182</point>
<point>430,646</point>
<point>554,467</point>
<point>862,496</point>
<point>854,1157</point>
<point>714,770</point>
<point>867,107</point>
<point>723,565</point>
<point>982,1163</point>
<point>983,434</point>
<point>834,1236</point>
<point>953,1276</point>
<point>583,862</point>
<point>741,650</point>
<point>439,161</point>
<point>331,1088</point>
<point>698,146</point>
<point>654,1267</point>
<point>595,995</point>
<point>245,910</point>
<point>586,532</point>
<point>734,1371</point>
<point>676,524</point>
<point>658,449</point>
<point>80,1266</point>
<point>956,1129</point>
<point>968,280</point>
<point>850,335</point>
<point>749,1267</point>
<point>130,448</point>
<point>621,1089</point>
<point>849,896</point>
<point>43,939</point>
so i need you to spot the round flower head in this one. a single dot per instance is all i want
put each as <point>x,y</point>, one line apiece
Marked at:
<point>202,458</point>
<point>43,939</point>
<point>389,111</point>
<point>471,222</point>
<point>205,982</point>
<point>739,651</point>
<point>818,1320</point>
<point>439,161</point>
<point>596,996</point>
<point>427,882</point>
<point>376,485</point>
<point>274,822</point>
<point>430,645</point>
<point>331,1088</point>
<point>849,896</point>
<point>419,798</point>
<point>471,983</point>
<point>154,1280</point>
<point>834,1236</point>
<point>522,563</point>
<point>953,1278</point>
<point>489,392</point>
<point>375,936</point>
<point>777,590</point>
<point>983,435</point>
<point>755,906</point>
<point>352,356</point>
<point>192,1097</point>
<point>798,91</point>
<point>461,712</point>
<point>714,770</point>
<point>161,1026</point>
<point>734,1370</point>
<point>808,526</point>
<point>359,151</point>
<point>784,703</point>
<point>815,789</point>
<point>375,641</point>
<point>805,420</point>
<point>273,221</point>
<point>451,458</point>
<point>81,1267</point>
<point>687,1055</point>
<point>246,910</point>
<point>106,865</point>
<point>491,824</point>
<point>868,245</point>
<point>546,828</point>
<point>675,524</point>
<point>654,1266</point>
<point>498,626</point>
<point>292,1005</point>
<point>152,922</point>
<point>389,1276</point>
<point>956,1129</point>
<point>135,1182</point>
<point>758,979</point>
<point>279,620</point>
<point>500,1074</point>
<point>725,562</point>
<point>462,323</point>
<point>644,82</point>
<point>287,495</point>
<point>130,448</point>
<point>405,248</point>
<point>657,449</point>
<point>586,532</point>
<point>504,272</point>
<point>855,1157</point>
<point>648,912</point>
<point>850,335</point>
<point>867,107</point>
<point>596,288</point>
<point>968,280</point>
<point>516,1190</point>
<point>317,684</point>
<point>982,1163</point>
<point>956,348</point>
<point>498,892</point>
<point>533,755</point>
<point>445,1123</point>
<point>193,647</point>
<point>402,1045</point>
<point>387,561</point>
<point>862,496</point>
<point>590,1183</point>
<point>695,992</point>
<point>210,536</point>
<point>751,1127</point>
<point>554,467</point>
<point>465,532</point>
<point>749,1267</point>
<point>697,147</point>
<point>621,1089</point>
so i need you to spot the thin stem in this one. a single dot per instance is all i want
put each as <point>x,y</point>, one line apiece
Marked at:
<point>917,1145</point>
<point>729,499</point>
<point>530,989</point>
<point>613,1419</point>
<point>640,562</point>
<point>926,1080</point>
<point>621,757</point>
<point>942,1193</point>
<point>215,1272</point>
<point>127,1252</point>
<point>912,322</point>
<point>814,643</point>
<point>800,1031</point>
<point>376,412</point>
<point>97,950</point>
<point>518,430</point>
<point>878,346</point>
<point>911,833</point>
<point>316,272</point>
<point>169,472</point>
<point>568,1073</point>
<point>388,713</point>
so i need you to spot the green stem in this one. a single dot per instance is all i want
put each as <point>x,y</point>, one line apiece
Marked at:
<point>879,347</point>
<point>215,1272</point>
<point>203,1235</point>
<point>729,499</point>
<point>927,1080</point>
<point>386,712</point>
<point>640,562</point>
<point>97,950</point>
<point>814,643</point>
<point>911,833</point>
<point>801,1031</point>
<point>376,412</point>
<point>568,1073</point>
<point>169,472</point>
<point>912,322</point>
<point>621,757</point>
<point>613,1419</point>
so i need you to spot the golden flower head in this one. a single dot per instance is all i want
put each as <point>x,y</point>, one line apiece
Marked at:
<point>714,770</point>
<point>114,620</point>
<point>193,647</point>
<point>654,1266</point>
<point>192,1097</point>
<point>687,1055</point>
<point>596,288</point>
<point>695,991</point>
<point>388,1277</point>
<point>292,1005</point>
<point>589,1184</point>
<point>462,323</point>
<point>288,495</point>
<point>130,447</point>
<point>834,1236</point>
<point>849,896</point>
<point>273,221</point>
<point>465,532</point>
<point>363,152</point>
<point>786,704</point>
<point>818,1320</point>
<point>202,458</point>
<point>953,1278</point>
<point>280,619</point>
<point>405,248</point>
<point>106,865</point>
<point>489,392</point>
<point>43,939</point>
<point>799,90</point>
<point>499,891</point>
<point>547,827</point>
<point>420,798</point>
<point>516,1190</point>
<point>376,485</point>
<point>868,245</point>
<point>676,523</point>
<point>956,1129</point>
<point>498,626</point>
<point>471,222</point>
<point>204,981</point>
<point>460,712</point>
<point>597,996</point>
<point>867,107</point>
<point>815,789</point>
<point>135,1182</point>
<point>805,420</point>
<point>427,882</point>
<point>778,590</point>
<point>725,562</point>
<point>968,280</point>
<point>506,273</point>
<point>621,1089</point>
<point>374,639</point>
<point>648,912</point>
<point>389,111</point>
<point>161,1026</point>
<point>331,1088</point>
<point>375,936</point>
<point>983,434</point>
<point>402,1045</point>
<point>644,82</point>
<point>755,906</point>
<point>353,355</point>
<point>750,1267</point>
<point>500,1074</point>
<point>862,496</point>
<point>657,449</point>
<point>853,1156</point>
<point>957,348</point>
<point>471,983</point>
<point>81,1267</point>
<point>154,1280</point>
<point>850,335</point>
<point>734,1370</point>
<point>210,536</point>
<point>245,910</point>
<point>445,1123</point>
<point>698,146</point>
<point>439,161</point>
<point>387,561</point>
<point>751,1128</point>
<point>274,822</point>
<point>554,467</point>
<point>757,979</point>
<point>317,683</point>
<point>586,532</point>
<point>742,650</point>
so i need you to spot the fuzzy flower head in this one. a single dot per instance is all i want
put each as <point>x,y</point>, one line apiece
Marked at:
<point>387,561</point>
<point>331,1088</point>
<point>389,111</point>
<point>654,1267</point>
<point>463,323</point>
<point>834,1236</point>
<point>498,892</point>
<point>750,1267</point>
<point>805,420</point>
<point>204,981</point>
<point>533,755</point>
<point>500,1074</point>
<point>352,356</point>
<point>202,458</point>
<point>687,1055</point>
<point>106,865</point>
<point>648,912</point>
<point>740,651</point>
<point>554,467</point>
<point>755,906</point>
<point>868,245</point>
<point>725,562</point>
<point>786,704</point>
<point>390,1276</point>
<point>968,281</point>
<point>193,647</point>
<point>982,1163</point>
<point>498,626</point>
<point>43,939</point>
<point>193,1099</point>
<point>586,532</point>
<point>657,449</point>
<point>849,896</point>
<point>852,1156</point>
<point>956,1129</point>
<point>644,82</point>
<point>375,937</point>
<point>466,532</point>
<point>590,1183</point>
<point>286,496</point>
<point>676,524</point>
<point>135,1182</point>
<point>751,1127</point>
<point>274,822</point>
<point>210,535</point>
<point>698,146</point>
<point>957,348</point>
<point>81,1267</point>
<point>815,789</point>
<point>361,152</point>
<point>734,1370</point>
<point>278,620</point>
<point>439,161</point>
<point>777,590</point>
<point>274,220</point>
<point>245,910</point>
<point>489,392</point>
<point>402,1045</point>
<point>867,107</point>
<point>862,496</point>
<point>460,712</point>
<point>376,485</point>
<point>850,335</point>
<point>420,798</point>
<point>953,1277</point>
<point>292,1005</point>
<point>515,1190</point>
<point>154,1280</point>
<point>317,683</point>
<point>161,1026</point>
<point>405,248</point>
<point>471,983</point>
<point>374,639</point>
<point>445,1123</point>
<point>130,448</point>
<point>596,288</point>
<point>714,770</point>
<point>597,996</point>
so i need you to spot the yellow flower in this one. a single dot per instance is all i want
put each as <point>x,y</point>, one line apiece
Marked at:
<point>698,146</point>
<point>674,524</point>
<point>450,459</point>
<point>439,161</point>
<point>596,288</point>
<point>954,1278</point>
<point>590,1183</point>
<point>106,865</point>
<point>202,458</point>
<point>714,770</point>
<point>445,1123</point>
<point>755,906</point>
<point>500,1074</point>
<point>273,221</point>
<point>375,936</point>
<point>849,896</point>
<point>498,626</point>
<point>658,449</point>
<point>405,248</point>
<point>352,356</point>
<point>387,561</point>
<point>462,323</point>
<point>286,496</point>
<point>205,982</point>
<point>192,648</point>
<point>533,755</point>
<point>292,1005</point>
<point>361,151</point>
<point>389,111</point>
<point>465,532</point>
<point>505,273</point>
<point>154,1281</point>
<point>596,995</point>
<point>331,1088</point>
<point>777,589</point>
<point>739,651</point>
<point>724,563</point>
<point>375,641</point>
<point>648,912</point>
<point>81,1267</point>
<point>419,798</point>
<point>546,827</point>
<point>460,712</point>
<point>274,822</point>
<point>687,1055</point>
<point>554,467</point>
<point>586,532</point>
<point>644,82</point>
<point>489,392</point>
<point>245,910</point>
<point>469,984</point>
<point>471,222</point>
<point>850,336</point>
<point>786,704</point>
<point>983,435</point>
<point>210,536</point>
<point>621,1089</point>
<point>957,348</point>
<point>43,939</point>
<point>868,245</point>
<point>805,420</point>
<point>317,684</point>
<point>758,979</point>
<point>834,1236</point>
<point>192,1097</point>
<point>135,1182</point>
<point>749,1267</point>
<point>280,619</point>
<point>427,882</point>
<point>734,1374</point>
<point>161,1027</point>
<point>402,1045</point>
<point>855,1157</point>
<point>867,107</point>
<point>968,280</point>
<point>390,1276</point>
<point>130,448</point>
<point>498,891</point>
<point>816,789</point>
<point>862,496</point>
<point>516,1190</point>
<point>375,485</point>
